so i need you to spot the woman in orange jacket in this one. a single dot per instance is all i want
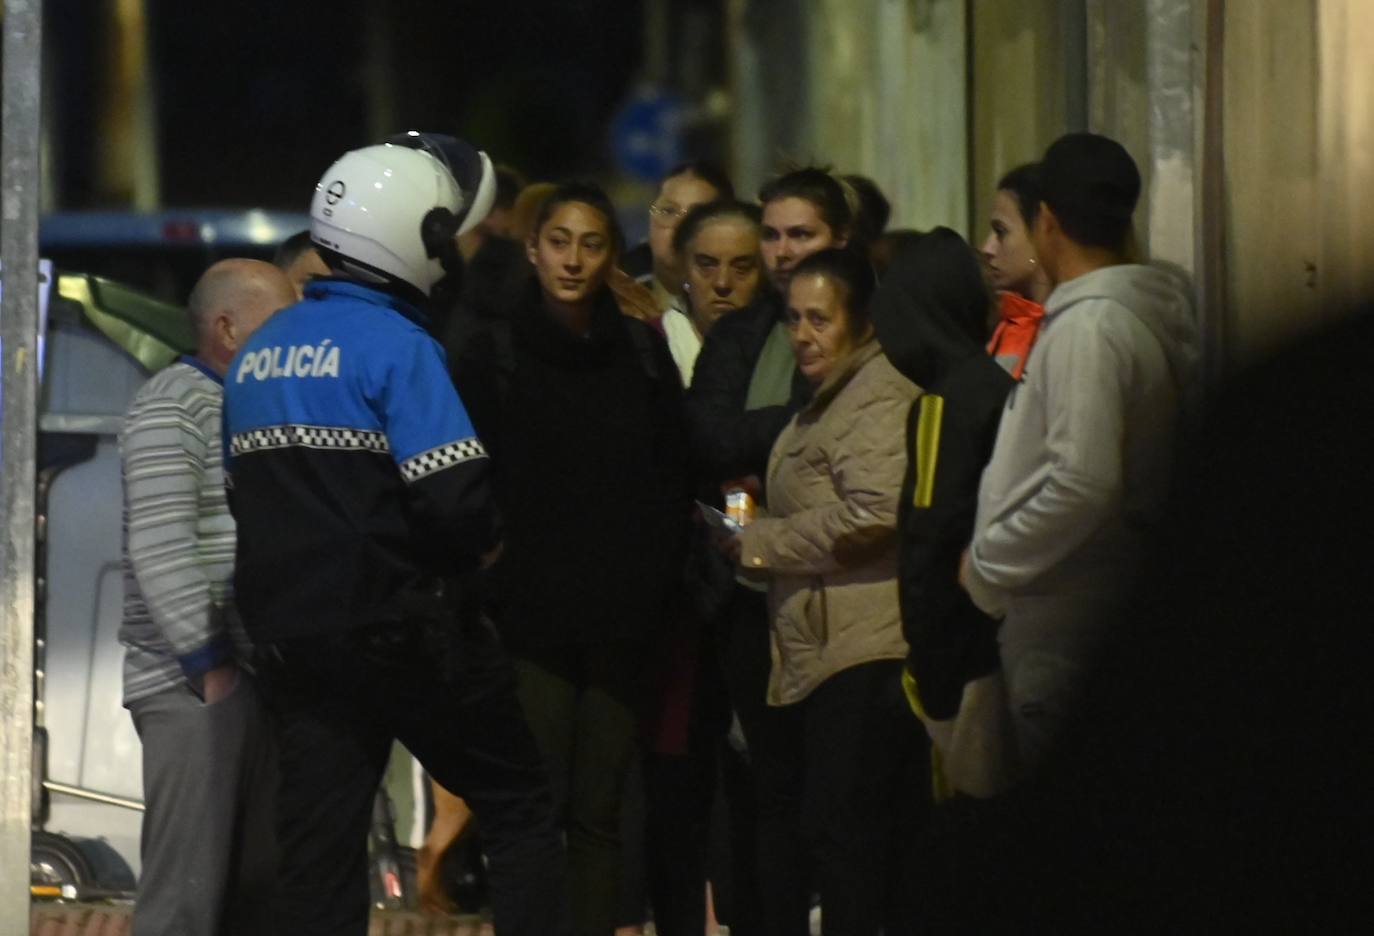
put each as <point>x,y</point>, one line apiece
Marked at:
<point>1013,269</point>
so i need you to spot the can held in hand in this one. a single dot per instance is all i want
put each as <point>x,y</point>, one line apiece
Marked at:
<point>740,506</point>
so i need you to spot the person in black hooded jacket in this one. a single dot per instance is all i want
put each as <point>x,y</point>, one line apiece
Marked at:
<point>932,316</point>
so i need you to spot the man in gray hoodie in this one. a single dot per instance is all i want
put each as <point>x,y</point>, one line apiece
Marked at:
<point>1080,467</point>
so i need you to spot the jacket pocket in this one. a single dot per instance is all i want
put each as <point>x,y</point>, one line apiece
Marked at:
<point>816,613</point>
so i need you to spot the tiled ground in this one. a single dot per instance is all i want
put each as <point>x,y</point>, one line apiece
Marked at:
<point>71,919</point>
<point>112,919</point>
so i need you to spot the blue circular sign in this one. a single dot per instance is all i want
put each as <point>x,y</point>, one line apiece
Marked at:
<point>646,136</point>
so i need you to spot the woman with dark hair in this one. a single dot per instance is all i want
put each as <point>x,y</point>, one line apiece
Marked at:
<point>804,211</point>
<point>584,422</point>
<point>1014,269</point>
<point>654,263</point>
<point>836,757</point>
<point>683,188</point>
<point>1010,256</point>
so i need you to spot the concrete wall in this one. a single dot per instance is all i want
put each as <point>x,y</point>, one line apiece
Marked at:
<point>1345,147</point>
<point>1028,87</point>
<point>1270,140</point>
<point>1252,122</point>
<point>1299,166</point>
<point>876,87</point>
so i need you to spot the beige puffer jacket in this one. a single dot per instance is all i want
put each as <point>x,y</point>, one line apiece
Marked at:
<point>829,544</point>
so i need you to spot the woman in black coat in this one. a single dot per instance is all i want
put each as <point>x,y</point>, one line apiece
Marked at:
<point>582,410</point>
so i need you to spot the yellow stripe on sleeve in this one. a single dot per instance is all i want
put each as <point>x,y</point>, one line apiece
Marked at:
<point>927,453</point>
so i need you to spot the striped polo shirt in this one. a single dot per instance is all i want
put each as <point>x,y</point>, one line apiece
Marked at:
<point>178,534</point>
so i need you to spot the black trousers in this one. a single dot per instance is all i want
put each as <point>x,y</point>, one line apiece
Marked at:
<point>338,703</point>
<point>679,792</point>
<point>742,647</point>
<point>842,785</point>
<point>583,703</point>
<point>687,814</point>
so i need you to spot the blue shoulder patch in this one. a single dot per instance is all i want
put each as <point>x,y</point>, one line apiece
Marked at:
<point>345,368</point>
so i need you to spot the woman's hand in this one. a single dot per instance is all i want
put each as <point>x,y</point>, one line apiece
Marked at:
<point>733,548</point>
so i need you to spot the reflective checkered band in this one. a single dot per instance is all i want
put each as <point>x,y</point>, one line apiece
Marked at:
<point>315,437</point>
<point>437,459</point>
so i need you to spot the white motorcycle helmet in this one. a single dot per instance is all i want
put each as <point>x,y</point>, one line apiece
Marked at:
<point>390,213</point>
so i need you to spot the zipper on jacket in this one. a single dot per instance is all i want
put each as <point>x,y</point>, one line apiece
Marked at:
<point>819,589</point>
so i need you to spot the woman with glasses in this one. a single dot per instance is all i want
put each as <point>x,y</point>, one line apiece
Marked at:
<point>655,263</point>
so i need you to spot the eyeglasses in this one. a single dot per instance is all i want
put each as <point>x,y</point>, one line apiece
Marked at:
<point>666,214</point>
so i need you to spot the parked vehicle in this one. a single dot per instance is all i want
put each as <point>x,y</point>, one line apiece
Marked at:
<point>161,253</point>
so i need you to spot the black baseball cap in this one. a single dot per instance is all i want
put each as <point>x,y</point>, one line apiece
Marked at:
<point>1092,185</point>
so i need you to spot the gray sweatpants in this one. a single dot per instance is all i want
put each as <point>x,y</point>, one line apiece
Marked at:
<point>209,775</point>
<point>1049,644</point>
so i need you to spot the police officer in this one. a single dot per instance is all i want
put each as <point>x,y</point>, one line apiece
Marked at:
<point>361,495</point>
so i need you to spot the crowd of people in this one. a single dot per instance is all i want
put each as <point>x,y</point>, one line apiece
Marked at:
<point>782,516</point>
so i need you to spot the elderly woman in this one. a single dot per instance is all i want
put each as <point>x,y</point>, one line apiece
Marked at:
<point>837,760</point>
<point>717,245</point>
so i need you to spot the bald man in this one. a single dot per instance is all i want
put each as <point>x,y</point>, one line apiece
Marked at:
<point>193,703</point>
